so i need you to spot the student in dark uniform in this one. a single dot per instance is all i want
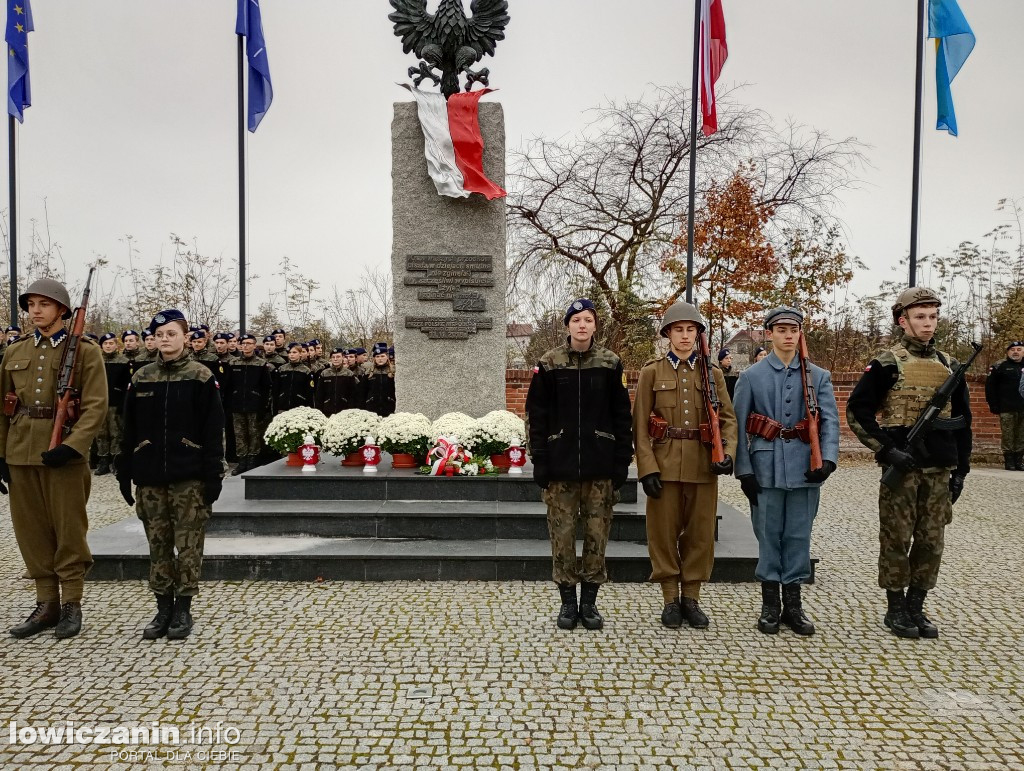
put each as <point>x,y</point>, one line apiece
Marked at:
<point>293,382</point>
<point>337,388</point>
<point>379,384</point>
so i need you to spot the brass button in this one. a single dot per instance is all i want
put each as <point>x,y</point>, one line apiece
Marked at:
<point>39,380</point>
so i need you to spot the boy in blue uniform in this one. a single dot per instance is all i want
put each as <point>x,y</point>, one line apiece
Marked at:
<point>773,466</point>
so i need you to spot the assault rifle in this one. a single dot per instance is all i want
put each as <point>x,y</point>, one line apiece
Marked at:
<point>813,414</point>
<point>69,397</point>
<point>929,417</point>
<point>711,401</point>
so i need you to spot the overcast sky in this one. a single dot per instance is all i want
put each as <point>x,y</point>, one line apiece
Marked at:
<point>133,125</point>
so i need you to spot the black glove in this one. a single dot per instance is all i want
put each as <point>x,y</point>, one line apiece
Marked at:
<point>540,475</point>
<point>620,477</point>
<point>750,487</point>
<point>211,490</point>
<point>956,486</point>
<point>821,474</point>
<point>894,456</point>
<point>59,455</point>
<point>5,475</point>
<point>725,467</point>
<point>125,483</point>
<point>652,485</point>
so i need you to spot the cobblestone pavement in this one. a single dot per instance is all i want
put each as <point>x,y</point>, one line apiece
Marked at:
<point>476,675</point>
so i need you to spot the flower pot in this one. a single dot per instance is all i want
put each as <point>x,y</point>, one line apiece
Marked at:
<point>403,460</point>
<point>500,461</point>
<point>353,459</point>
<point>294,459</point>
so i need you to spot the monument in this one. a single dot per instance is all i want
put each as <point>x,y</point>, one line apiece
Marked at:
<point>448,247</point>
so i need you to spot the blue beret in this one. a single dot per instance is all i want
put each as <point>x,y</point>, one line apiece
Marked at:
<point>379,348</point>
<point>350,351</point>
<point>12,328</point>
<point>278,332</point>
<point>165,317</point>
<point>783,313</point>
<point>342,351</point>
<point>129,332</point>
<point>247,336</point>
<point>758,350</point>
<point>314,341</point>
<point>91,336</point>
<point>268,339</point>
<point>205,327</point>
<point>107,336</point>
<point>197,335</point>
<point>291,345</point>
<point>146,333</point>
<point>391,351</point>
<point>358,351</point>
<point>222,336</point>
<point>723,353</point>
<point>1014,344</point>
<point>578,306</point>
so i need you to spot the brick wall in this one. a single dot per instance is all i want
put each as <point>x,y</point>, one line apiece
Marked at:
<point>986,425</point>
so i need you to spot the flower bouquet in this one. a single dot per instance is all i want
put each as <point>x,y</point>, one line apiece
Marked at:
<point>496,432</point>
<point>407,437</point>
<point>346,431</point>
<point>287,431</point>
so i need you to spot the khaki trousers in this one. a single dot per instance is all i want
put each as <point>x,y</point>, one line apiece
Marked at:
<point>50,525</point>
<point>681,537</point>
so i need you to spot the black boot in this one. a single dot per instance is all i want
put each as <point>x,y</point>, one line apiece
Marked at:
<point>589,616</point>
<point>45,616</point>
<point>692,613</point>
<point>898,618</point>
<point>1009,461</point>
<point>672,615</point>
<point>70,622</point>
<point>915,607</point>
<point>1018,461</point>
<point>771,608</point>
<point>569,613</point>
<point>103,465</point>
<point>181,622</point>
<point>242,467</point>
<point>157,628</point>
<point>793,614</point>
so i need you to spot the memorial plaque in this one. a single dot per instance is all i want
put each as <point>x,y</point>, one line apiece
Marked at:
<point>448,327</point>
<point>449,275</point>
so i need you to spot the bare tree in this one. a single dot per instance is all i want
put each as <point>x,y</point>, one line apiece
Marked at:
<point>365,313</point>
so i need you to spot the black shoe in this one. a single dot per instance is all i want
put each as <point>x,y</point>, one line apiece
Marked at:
<point>1009,461</point>
<point>771,608</point>
<point>915,607</point>
<point>692,613</point>
<point>672,615</point>
<point>589,616</point>
<point>157,628</point>
<point>793,614</point>
<point>103,467</point>
<point>70,622</point>
<point>1018,461</point>
<point>898,618</point>
<point>241,468</point>
<point>45,616</point>
<point>569,613</point>
<point>181,622</point>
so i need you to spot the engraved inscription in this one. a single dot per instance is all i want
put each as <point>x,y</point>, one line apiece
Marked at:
<point>448,327</point>
<point>447,275</point>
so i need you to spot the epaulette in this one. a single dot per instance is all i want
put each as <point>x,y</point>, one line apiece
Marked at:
<point>886,358</point>
<point>652,360</point>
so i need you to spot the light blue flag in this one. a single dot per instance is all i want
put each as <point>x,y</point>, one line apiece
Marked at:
<point>954,42</point>
<point>261,93</point>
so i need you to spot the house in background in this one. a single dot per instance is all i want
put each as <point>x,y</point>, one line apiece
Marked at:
<point>742,345</point>
<point>517,339</point>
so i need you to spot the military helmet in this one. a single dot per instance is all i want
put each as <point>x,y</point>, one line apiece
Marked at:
<point>47,287</point>
<point>915,295</point>
<point>681,312</point>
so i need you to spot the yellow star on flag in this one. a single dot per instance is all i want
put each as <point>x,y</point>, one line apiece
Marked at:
<point>19,28</point>
<point>18,10</point>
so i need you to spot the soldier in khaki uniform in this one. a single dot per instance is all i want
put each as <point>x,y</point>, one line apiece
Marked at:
<point>893,391</point>
<point>675,470</point>
<point>119,374</point>
<point>49,488</point>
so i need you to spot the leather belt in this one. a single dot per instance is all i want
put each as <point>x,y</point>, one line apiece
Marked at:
<point>789,433</point>
<point>35,412</point>
<point>682,433</point>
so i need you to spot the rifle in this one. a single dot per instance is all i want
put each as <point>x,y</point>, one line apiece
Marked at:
<point>929,417</point>
<point>711,401</point>
<point>68,395</point>
<point>813,413</point>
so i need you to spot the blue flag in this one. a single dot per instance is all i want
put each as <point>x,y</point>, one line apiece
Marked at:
<point>261,92</point>
<point>954,42</point>
<point>19,24</point>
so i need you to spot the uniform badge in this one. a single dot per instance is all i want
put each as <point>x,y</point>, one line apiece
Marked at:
<point>578,305</point>
<point>867,368</point>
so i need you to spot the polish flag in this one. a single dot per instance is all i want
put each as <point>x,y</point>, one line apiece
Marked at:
<point>453,143</point>
<point>713,53</point>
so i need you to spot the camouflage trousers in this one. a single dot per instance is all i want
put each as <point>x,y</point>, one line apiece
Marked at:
<point>175,517</point>
<point>568,503</point>
<point>249,428</point>
<point>912,528</point>
<point>1011,428</point>
<point>108,440</point>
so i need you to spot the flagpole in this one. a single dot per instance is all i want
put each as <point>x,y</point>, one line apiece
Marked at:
<point>915,196</point>
<point>12,191</point>
<point>693,150</point>
<point>241,185</point>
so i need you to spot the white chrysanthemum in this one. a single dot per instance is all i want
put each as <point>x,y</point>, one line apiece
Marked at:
<point>499,430</point>
<point>346,431</point>
<point>405,432</point>
<point>457,425</point>
<point>287,431</point>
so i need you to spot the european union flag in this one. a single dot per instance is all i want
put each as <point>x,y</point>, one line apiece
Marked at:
<point>261,92</point>
<point>19,24</point>
<point>954,43</point>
